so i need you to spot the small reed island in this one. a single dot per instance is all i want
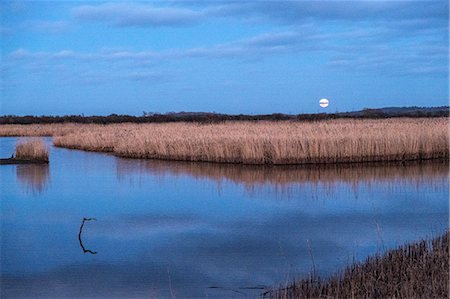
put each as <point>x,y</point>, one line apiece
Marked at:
<point>32,151</point>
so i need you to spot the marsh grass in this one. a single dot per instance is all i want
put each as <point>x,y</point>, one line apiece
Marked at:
<point>331,141</point>
<point>418,270</point>
<point>33,149</point>
<point>263,142</point>
<point>44,129</point>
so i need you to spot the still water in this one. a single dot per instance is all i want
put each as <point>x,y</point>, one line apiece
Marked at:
<point>200,230</point>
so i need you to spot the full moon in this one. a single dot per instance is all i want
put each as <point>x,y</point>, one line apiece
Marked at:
<point>323,103</point>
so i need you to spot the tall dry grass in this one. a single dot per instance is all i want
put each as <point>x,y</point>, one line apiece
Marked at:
<point>34,149</point>
<point>44,129</point>
<point>265,142</point>
<point>417,270</point>
<point>287,142</point>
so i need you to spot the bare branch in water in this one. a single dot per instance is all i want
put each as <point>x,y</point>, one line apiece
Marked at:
<point>79,235</point>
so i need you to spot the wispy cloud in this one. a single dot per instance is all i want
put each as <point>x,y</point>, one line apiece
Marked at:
<point>359,50</point>
<point>134,14</point>
<point>412,14</point>
<point>52,27</point>
<point>264,44</point>
<point>348,10</point>
<point>392,42</point>
<point>148,76</point>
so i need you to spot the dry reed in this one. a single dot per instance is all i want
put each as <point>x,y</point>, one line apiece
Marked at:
<point>44,129</point>
<point>265,142</point>
<point>31,150</point>
<point>418,270</point>
<point>288,142</point>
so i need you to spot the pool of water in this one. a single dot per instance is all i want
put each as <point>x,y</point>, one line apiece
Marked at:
<point>201,230</point>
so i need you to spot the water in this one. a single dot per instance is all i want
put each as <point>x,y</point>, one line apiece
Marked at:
<point>193,230</point>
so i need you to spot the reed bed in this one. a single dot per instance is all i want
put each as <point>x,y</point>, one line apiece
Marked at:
<point>263,142</point>
<point>418,270</point>
<point>34,149</point>
<point>44,129</point>
<point>284,142</point>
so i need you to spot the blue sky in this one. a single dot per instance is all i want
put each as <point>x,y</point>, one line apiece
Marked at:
<point>232,57</point>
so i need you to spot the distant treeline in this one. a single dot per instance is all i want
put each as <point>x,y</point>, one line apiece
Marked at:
<point>205,117</point>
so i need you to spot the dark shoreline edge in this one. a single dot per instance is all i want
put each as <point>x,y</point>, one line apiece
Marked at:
<point>13,161</point>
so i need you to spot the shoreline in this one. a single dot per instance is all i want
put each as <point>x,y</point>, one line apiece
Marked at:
<point>414,270</point>
<point>14,161</point>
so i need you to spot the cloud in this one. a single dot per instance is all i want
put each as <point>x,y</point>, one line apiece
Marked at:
<point>146,76</point>
<point>385,51</point>
<point>52,27</point>
<point>268,43</point>
<point>298,11</point>
<point>405,59</point>
<point>414,14</point>
<point>259,46</point>
<point>133,14</point>
<point>21,54</point>
<point>381,36</point>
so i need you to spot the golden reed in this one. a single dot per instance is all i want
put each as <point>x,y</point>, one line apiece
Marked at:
<point>31,150</point>
<point>264,142</point>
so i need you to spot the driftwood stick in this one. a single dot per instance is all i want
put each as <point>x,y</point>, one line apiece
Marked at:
<point>79,236</point>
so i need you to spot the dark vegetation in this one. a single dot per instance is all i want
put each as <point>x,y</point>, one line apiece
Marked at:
<point>205,117</point>
<point>418,270</point>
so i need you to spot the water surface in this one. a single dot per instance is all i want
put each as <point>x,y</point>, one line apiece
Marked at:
<point>201,230</point>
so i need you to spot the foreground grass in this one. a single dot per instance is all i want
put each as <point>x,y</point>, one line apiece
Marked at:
<point>284,142</point>
<point>34,149</point>
<point>418,270</point>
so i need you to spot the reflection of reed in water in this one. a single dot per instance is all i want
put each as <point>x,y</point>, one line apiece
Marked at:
<point>281,178</point>
<point>34,177</point>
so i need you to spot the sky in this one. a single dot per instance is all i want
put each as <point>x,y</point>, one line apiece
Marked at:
<point>251,57</point>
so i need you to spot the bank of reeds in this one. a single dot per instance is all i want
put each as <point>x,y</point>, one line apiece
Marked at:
<point>264,142</point>
<point>33,149</point>
<point>44,129</point>
<point>418,270</point>
<point>331,141</point>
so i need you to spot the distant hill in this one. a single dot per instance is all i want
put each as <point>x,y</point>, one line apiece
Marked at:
<point>205,117</point>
